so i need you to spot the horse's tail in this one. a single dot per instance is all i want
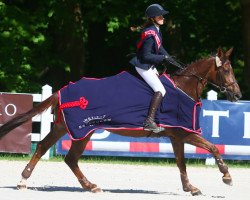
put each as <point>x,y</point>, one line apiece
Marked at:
<point>22,118</point>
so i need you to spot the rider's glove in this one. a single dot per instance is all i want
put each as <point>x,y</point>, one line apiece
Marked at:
<point>169,59</point>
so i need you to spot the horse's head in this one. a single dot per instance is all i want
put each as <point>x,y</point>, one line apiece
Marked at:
<point>216,70</point>
<point>223,76</point>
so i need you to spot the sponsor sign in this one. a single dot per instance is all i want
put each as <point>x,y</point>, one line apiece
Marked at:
<point>19,139</point>
<point>225,124</point>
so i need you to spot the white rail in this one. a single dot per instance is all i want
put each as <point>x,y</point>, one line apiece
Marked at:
<point>45,118</point>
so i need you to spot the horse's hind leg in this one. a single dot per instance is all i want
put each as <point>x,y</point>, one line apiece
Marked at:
<point>71,159</point>
<point>178,147</point>
<point>198,141</point>
<point>56,133</point>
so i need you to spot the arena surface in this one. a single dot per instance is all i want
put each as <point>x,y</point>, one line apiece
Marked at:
<point>54,180</point>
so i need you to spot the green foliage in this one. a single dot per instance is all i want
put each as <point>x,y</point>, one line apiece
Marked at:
<point>22,41</point>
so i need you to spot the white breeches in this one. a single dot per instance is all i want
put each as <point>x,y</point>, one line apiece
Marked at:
<point>152,79</point>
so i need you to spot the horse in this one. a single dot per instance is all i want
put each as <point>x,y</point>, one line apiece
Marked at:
<point>192,79</point>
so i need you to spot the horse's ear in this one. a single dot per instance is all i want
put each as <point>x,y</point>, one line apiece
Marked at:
<point>229,52</point>
<point>219,52</point>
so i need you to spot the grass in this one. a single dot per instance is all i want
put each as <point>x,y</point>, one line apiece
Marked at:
<point>128,160</point>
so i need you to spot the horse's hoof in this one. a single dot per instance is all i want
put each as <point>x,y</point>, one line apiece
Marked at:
<point>96,190</point>
<point>21,187</point>
<point>227,180</point>
<point>197,192</point>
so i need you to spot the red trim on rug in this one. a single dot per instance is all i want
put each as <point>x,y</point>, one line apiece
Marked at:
<point>59,112</point>
<point>199,103</point>
<point>171,80</point>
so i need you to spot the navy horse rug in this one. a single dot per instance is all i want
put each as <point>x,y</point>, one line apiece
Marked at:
<point>122,102</point>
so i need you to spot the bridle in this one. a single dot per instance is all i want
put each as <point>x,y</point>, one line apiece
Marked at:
<point>223,88</point>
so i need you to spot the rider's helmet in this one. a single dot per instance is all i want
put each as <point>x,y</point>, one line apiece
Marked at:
<point>155,10</point>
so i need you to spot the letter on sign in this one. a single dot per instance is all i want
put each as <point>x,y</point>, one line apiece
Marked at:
<point>216,119</point>
<point>246,125</point>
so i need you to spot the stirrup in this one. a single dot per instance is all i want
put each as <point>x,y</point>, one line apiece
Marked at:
<point>150,125</point>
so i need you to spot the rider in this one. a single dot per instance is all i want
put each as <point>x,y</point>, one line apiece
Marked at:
<point>151,53</point>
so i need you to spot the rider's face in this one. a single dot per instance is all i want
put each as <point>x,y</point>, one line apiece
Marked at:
<point>159,20</point>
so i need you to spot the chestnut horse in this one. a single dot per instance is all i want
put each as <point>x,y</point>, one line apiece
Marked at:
<point>192,80</point>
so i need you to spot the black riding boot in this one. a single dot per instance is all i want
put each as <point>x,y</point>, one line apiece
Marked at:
<point>149,124</point>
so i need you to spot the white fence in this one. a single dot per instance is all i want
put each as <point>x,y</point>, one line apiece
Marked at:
<point>45,118</point>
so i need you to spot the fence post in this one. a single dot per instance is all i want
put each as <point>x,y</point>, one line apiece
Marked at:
<point>46,118</point>
<point>211,95</point>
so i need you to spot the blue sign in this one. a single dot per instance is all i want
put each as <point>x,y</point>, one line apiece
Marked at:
<point>225,124</point>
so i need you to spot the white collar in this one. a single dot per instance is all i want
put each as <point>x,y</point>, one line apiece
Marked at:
<point>158,28</point>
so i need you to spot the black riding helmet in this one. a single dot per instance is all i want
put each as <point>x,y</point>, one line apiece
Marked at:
<point>155,10</point>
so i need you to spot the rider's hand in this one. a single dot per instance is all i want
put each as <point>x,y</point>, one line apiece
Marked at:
<point>169,59</point>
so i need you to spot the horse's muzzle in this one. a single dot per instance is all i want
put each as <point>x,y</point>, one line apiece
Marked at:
<point>233,97</point>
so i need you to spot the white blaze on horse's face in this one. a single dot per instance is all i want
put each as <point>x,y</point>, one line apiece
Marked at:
<point>218,61</point>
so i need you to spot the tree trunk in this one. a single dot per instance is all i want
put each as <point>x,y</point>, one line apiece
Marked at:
<point>246,39</point>
<point>77,51</point>
<point>67,32</point>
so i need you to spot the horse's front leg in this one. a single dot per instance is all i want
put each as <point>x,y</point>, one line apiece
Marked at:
<point>71,159</point>
<point>198,141</point>
<point>56,133</point>
<point>178,147</point>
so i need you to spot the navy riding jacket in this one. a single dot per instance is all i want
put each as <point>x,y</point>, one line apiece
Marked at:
<point>149,49</point>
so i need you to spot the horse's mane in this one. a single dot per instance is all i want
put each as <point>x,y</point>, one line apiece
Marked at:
<point>186,66</point>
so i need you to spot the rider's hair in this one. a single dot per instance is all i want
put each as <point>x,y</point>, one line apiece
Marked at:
<point>149,22</point>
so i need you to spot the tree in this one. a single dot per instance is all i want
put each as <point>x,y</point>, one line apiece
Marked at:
<point>56,41</point>
<point>246,33</point>
<point>22,42</point>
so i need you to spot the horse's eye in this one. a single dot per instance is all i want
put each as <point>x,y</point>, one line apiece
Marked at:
<point>226,71</point>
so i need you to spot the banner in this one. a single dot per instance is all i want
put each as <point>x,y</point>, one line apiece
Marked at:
<point>225,124</point>
<point>18,140</point>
